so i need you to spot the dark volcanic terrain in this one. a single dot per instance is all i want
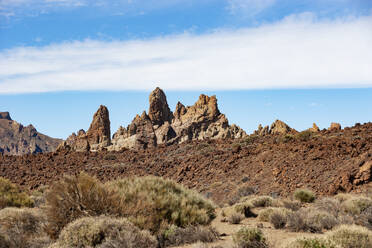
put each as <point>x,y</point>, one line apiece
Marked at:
<point>327,162</point>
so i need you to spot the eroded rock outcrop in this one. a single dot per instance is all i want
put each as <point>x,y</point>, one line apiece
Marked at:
<point>97,137</point>
<point>277,127</point>
<point>203,120</point>
<point>335,127</point>
<point>314,128</point>
<point>16,139</point>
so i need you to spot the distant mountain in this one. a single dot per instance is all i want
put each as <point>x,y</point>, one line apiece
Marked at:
<point>16,139</point>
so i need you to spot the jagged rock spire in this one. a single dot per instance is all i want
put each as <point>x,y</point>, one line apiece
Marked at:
<point>99,130</point>
<point>159,111</point>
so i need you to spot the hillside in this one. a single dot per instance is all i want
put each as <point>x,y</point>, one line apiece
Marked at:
<point>16,139</point>
<point>326,161</point>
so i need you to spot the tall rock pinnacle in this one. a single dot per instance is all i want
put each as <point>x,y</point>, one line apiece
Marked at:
<point>159,111</point>
<point>99,131</point>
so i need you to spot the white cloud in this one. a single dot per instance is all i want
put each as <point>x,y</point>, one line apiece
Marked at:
<point>294,53</point>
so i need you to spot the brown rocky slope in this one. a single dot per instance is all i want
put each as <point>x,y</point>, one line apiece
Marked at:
<point>16,139</point>
<point>326,161</point>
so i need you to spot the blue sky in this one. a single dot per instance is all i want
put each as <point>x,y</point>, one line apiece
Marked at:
<point>300,61</point>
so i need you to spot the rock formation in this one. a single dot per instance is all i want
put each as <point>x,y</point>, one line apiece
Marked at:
<point>16,139</point>
<point>335,127</point>
<point>97,136</point>
<point>314,129</point>
<point>277,127</point>
<point>203,120</point>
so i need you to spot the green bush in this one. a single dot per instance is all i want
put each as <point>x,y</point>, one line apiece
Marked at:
<point>22,228</point>
<point>311,243</point>
<point>100,232</point>
<point>12,196</point>
<point>151,201</point>
<point>249,238</point>
<point>304,195</point>
<point>262,201</point>
<point>351,236</point>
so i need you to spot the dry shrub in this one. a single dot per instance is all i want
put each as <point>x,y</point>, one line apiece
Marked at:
<point>304,135</point>
<point>311,243</point>
<point>278,218</point>
<point>78,196</point>
<point>22,228</point>
<point>150,201</point>
<point>365,218</point>
<point>330,205</point>
<point>12,196</point>
<point>262,201</point>
<point>176,236</point>
<point>104,232</point>
<point>249,238</point>
<point>351,236</point>
<point>291,205</point>
<point>304,195</point>
<point>310,220</point>
<point>235,218</point>
<point>356,205</point>
<point>245,208</point>
<point>264,214</point>
<point>341,197</point>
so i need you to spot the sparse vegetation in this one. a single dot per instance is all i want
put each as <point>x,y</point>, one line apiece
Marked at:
<point>311,243</point>
<point>104,232</point>
<point>175,236</point>
<point>235,218</point>
<point>304,135</point>
<point>351,236</point>
<point>304,195</point>
<point>12,196</point>
<point>22,228</point>
<point>249,238</point>
<point>356,205</point>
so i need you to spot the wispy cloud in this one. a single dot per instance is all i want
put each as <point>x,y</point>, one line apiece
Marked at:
<point>249,8</point>
<point>296,52</point>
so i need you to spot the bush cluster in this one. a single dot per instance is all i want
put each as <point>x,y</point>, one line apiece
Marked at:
<point>304,195</point>
<point>249,238</point>
<point>12,196</point>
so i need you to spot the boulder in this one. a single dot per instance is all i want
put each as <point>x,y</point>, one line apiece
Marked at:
<point>314,129</point>
<point>279,127</point>
<point>99,133</point>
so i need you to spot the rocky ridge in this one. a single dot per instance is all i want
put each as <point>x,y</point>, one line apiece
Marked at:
<point>16,139</point>
<point>160,126</point>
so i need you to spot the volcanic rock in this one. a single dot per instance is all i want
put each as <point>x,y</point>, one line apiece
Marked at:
<point>262,131</point>
<point>5,115</point>
<point>16,139</point>
<point>335,127</point>
<point>314,129</point>
<point>201,121</point>
<point>279,127</point>
<point>159,111</point>
<point>97,136</point>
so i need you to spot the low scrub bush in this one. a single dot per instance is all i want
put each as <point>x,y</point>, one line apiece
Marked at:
<point>249,238</point>
<point>12,196</point>
<point>235,218</point>
<point>22,228</point>
<point>304,135</point>
<point>177,236</point>
<point>356,205</point>
<point>149,201</point>
<point>304,195</point>
<point>74,197</point>
<point>291,205</point>
<point>262,201</point>
<point>341,197</point>
<point>265,214</point>
<point>278,218</point>
<point>351,236</point>
<point>104,232</point>
<point>311,243</point>
<point>245,208</point>
<point>310,220</point>
<point>330,205</point>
